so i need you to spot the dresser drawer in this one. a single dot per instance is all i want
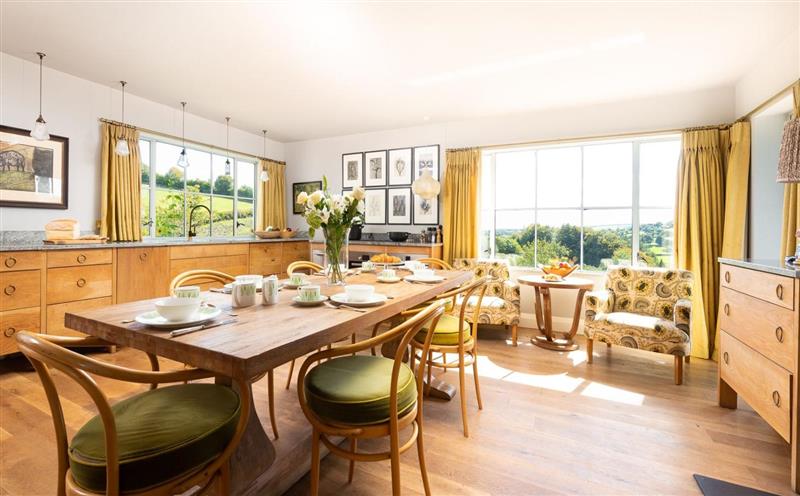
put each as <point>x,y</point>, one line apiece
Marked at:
<point>20,260</point>
<point>75,258</point>
<point>218,250</point>
<point>292,252</point>
<point>13,322</point>
<point>20,289</point>
<point>768,287</point>
<point>765,327</point>
<point>265,258</point>
<point>55,314</point>
<point>762,383</point>
<point>78,283</point>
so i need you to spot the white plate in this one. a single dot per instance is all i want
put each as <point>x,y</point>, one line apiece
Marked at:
<point>427,280</point>
<point>309,303</point>
<point>153,319</point>
<point>375,299</point>
<point>389,280</point>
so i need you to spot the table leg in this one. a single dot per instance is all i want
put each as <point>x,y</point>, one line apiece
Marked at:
<point>540,324</point>
<point>557,341</point>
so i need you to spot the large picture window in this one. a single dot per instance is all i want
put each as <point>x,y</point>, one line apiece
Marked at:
<point>170,192</point>
<point>593,203</point>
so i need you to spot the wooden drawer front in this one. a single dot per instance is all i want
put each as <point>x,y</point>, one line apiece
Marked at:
<point>232,265</point>
<point>198,251</point>
<point>13,322</point>
<point>74,258</point>
<point>55,314</point>
<point>763,384</point>
<point>768,287</point>
<point>767,328</point>
<point>20,289</point>
<point>78,283</point>
<point>265,258</point>
<point>142,273</point>
<point>298,248</point>
<point>20,260</point>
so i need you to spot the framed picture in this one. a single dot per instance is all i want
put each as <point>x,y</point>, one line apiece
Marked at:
<point>399,205</point>
<point>426,158</point>
<point>400,167</point>
<point>352,168</point>
<point>297,188</point>
<point>426,212</point>
<point>375,206</point>
<point>33,173</point>
<point>375,168</point>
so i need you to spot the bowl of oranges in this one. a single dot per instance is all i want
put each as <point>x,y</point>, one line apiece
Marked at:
<point>559,268</point>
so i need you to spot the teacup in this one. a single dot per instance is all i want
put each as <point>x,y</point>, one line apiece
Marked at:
<point>424,273</point>
<point>368,265</point>
<point>297,279</point>
<point>359,292</point>
<point>310,292</point>
<point>243,294</point>
<point>413,265</point>
<point>186,292</point>
<point>388,274</point>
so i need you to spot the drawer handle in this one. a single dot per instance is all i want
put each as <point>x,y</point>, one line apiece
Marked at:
<point>143,256</point>
<point>779,291</point>
<point>81,282</point>
<point>727,276</point>
<point>10,262</point>
<point>81,258</point>
<point>9,332</point>
<point>725,357</point>
<point>10,289</point>
<point>727,309</point>
<point>779,334</point>
<point>776,398</point>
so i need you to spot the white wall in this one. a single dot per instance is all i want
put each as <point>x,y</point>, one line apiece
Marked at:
<point>71,108</point>
<point>776,69</point>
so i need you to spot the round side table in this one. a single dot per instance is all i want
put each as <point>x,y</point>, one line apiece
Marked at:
<point>554,340</point>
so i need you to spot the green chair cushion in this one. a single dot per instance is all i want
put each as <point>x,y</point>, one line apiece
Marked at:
<point>446,332</point>
<point>354,390</point>
<point>162,434</point>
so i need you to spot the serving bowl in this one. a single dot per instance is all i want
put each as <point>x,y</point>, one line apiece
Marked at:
<point>288,234</point>
<point>177,309</point>
<point>268,234</point>
<point>398,237</point>
<point>559,271</point>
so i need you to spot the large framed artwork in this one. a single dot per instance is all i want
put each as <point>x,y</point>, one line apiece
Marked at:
<point>400,167</point>
<point>352,169</point>
<point>33,173</point>
<point>399,206</point>
<point>375,168</point>
<point>297,188</point>
<point>426,212</point>
<point>375,207</point>
<point>426,158</point>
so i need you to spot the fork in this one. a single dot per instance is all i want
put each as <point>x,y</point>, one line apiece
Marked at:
<point>344,307</point>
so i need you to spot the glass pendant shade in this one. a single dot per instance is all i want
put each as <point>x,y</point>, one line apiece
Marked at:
<point>183,161</point>
<point>227,167</point>
<point>39,131</point>
<point>122,148</point>
<point>264,176</point>
<point>426,186</point>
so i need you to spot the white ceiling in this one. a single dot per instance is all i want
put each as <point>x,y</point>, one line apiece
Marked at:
<point>307,70</point>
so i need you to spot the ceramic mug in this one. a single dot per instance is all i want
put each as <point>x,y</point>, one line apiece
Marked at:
<point>243,294</point>
<point>368,265</point>
<point>186,292</point>
<point>388,274</point>
<point>269,290</point>
<point>310,292</point>
<point>297,279</point>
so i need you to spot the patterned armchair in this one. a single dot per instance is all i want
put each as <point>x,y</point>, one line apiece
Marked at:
<point>647,309</point>
<point>501,304</point>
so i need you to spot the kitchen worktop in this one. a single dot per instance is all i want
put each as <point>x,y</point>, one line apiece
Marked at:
<point>772,266</point>
<point>378,242</point>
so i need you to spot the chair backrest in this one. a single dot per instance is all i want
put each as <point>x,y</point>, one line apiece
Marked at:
<point>200,276</point>
<point>303,266</point>
<point>648,291</point>
<point>436,262</point>
<point>495,268</point>
<point>471,295</point>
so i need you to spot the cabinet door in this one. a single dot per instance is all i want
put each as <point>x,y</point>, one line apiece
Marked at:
<point>14,321</point>
<point>265,258</point>
<point>19,289</point>
<point>142,273</point>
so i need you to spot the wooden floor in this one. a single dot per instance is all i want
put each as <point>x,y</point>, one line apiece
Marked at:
<point>550,425</point>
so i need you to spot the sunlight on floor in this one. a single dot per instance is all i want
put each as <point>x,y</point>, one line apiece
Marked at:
<point>609,393</point>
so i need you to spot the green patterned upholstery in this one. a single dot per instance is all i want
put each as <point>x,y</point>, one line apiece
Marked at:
<point>501,303</point>
<point>354,390</point>
<point>162,434</point>
<point>446,332</point>
<point>642,308</point>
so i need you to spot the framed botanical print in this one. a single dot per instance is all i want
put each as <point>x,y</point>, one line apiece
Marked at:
<point>426,212</point>
<point>426,158</point>
<point>400,167</point>
<point>375,168</point>
<point>375,206</point>
<point>352,169</point>
<point>399,206</point>
<point>33,173</point>
<point>307,187</point>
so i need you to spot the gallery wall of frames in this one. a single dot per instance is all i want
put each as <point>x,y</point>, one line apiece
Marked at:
<point>387,176</point>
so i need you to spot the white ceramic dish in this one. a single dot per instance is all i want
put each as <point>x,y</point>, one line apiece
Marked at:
<point>309,303</point>
<point>389,280</point>
<point>374,300</point>
<point>153,319</point>
<point>177,309</point>
<point>427,280</point>
<point>359,292</point>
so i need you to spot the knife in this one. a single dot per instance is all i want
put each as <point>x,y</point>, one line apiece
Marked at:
<point>188,330</point>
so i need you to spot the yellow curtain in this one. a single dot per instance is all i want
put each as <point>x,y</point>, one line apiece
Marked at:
<point>460,190</point>
<point>698,228</point>
<point>272,200</point>
<point>791,200</point>
<point>121,185</point>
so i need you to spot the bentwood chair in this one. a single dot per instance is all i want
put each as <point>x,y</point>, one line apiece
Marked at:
<point>456,332</point>
<point>203,276</point>
<point>365,397</point>
<point>160,442</point>
<point>436,262</point>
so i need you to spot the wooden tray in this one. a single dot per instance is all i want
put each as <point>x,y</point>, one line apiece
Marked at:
<point>91,241</point>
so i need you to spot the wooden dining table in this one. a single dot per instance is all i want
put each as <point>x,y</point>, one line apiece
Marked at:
<point>261,339</point>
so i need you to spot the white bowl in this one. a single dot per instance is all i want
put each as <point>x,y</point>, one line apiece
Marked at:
<point>424,273</point>
<point>177,309</point>
<point>359,292</point>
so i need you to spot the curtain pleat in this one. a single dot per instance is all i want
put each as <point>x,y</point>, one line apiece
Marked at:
<point>120,186</point>
<point>273,201</point>
<point>791,200</point>
<point>460,189</point>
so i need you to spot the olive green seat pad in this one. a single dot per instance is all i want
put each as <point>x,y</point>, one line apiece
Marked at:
<point>162,434</point>
<point>446,332</point>
<point>355,390</point>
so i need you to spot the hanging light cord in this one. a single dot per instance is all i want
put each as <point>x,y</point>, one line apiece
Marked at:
<point>41,57</point>
<point>183,125</point>
<point>228,139</point>
<point>123,83</point>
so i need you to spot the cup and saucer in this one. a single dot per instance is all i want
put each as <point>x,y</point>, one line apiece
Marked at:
<point>178,311</point>
<point>309,295</point>
<point>295,281</point>
<point>427,276</point>
<point>388,275</point>
<point>359,295</point>
<point>254,278</point>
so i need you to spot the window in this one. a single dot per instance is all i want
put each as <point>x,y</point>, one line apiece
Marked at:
<point>594,203</point>
<point>170,192</point>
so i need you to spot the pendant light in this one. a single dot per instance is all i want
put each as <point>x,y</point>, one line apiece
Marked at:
<point>228,146</point>
<point>122,144</point>
<point>39,131</point>
<point>426,186</point>
<point>183,160</point>
<point>264,174</point>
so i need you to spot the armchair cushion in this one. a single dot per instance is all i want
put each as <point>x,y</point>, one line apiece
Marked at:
<point>598,303</point>
<point>446,332</point>
<point>502,288</point>
<point>639,331</point>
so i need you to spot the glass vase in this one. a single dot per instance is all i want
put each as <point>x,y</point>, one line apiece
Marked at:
<point>336,253</point>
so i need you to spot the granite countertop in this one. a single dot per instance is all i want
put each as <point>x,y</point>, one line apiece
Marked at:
<point>773,266</point>
<point>378,242</point>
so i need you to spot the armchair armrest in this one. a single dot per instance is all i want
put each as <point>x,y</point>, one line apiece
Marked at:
<point>598,302</point>
<point>682,315</point>
<point>511,292</point>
